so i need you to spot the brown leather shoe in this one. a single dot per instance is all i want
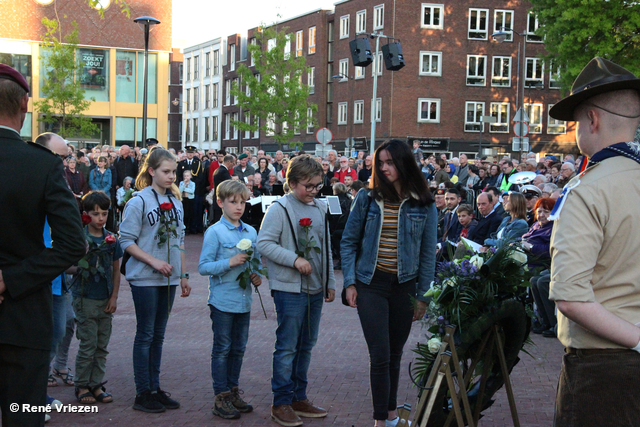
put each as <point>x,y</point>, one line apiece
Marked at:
<point>284,415</point>
<point>305,408</point>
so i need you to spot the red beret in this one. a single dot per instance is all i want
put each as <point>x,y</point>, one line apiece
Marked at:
<point>9,73</point>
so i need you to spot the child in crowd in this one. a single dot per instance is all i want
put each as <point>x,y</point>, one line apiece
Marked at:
<point>187,190</point>
<point>298,286</point>
<point>148,271</point>
<point>229,304</point>
<point>95,288</point>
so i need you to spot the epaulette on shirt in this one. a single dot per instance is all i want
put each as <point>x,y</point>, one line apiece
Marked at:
<point>575,181</point>
<point>41,147</point>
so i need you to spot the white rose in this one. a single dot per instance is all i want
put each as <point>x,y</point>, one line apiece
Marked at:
<point>434,344</point>
<point>244,244</point>
<point>476,261</point>
<point>519,256</point>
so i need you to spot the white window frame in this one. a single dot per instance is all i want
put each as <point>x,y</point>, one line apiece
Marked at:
<point>214,95</point>
<point>477,74</point>
<point>483,34</point>
<point>430,24</point>
<point>247,120</point>
<point>214,128</point>
<point>555,126</point>
<point>343,113</point>
<point>309,120</point>
<point>216,62</point>
<point>206,128</point>
<point>429,101</point>
<point>236,82</point>
<point>499,23</point>
<point>497,79</point>
<point>253,60</point>
<point>227,92</point>
<point>232,57</point>
<point>207,66</point>
<point>430,55</point>
<point>207,97</point>
<point>501,115</point>
<point>287,46</point>
<point>536,64</point>
<point>256,122</point>
<point>358,112</point>
<point>227,126</point>
<point>378,17</point>
<point>534,111</point>
<point>378,109</point>
<point>359,72</point>
<point>235,128</point>
<point>361,21</point>
<point>344,26</point>
<point>312,40</point>
<point>311,80</point>
<point>554,77</point>
<point>473,126</point>
<point>299,42</point>
<point>377,63</point>
<point>344,69</point>
<point>532,27</point>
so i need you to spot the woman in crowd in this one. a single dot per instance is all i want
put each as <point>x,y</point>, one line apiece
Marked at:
<point>122,191</point>
<point>483,180</point>
<point>100,177</point>
<point>473,176</point>
<point>76,181</point>
<point>555,172</point>
<point>494,173</point>
<point>264,171</point>
<point>514,225</point>
<point>537,241</point>
<point>388,261</point>
<point>267,188</point>
<point>441,174</point>
<point>282,175</point>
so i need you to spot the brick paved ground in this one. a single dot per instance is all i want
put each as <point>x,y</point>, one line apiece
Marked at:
<point>338,378</point>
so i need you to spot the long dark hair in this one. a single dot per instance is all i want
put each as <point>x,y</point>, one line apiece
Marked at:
<point>412,181</point>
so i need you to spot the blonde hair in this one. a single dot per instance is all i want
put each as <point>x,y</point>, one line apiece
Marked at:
<point>303,167</point>
<point>231,188</point>
<point>155,157</point>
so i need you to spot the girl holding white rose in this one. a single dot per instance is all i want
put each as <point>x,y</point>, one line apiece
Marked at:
<point>227,246</point>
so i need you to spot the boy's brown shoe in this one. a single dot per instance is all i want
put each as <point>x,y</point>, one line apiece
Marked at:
<point>238,402</point>
<point>284,415</point>
<point>305,408</point>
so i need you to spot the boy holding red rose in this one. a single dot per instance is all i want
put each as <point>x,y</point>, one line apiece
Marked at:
<point>95,287</point>
<point>294,238</point>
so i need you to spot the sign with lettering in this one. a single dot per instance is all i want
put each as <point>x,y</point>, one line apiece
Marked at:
<point>93,69</point>
<point>430,144</point>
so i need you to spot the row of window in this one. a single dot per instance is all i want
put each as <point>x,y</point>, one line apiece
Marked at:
<point>478,26</point>
<point>210,68</point>
<point>210,129</point>
<point>361,21</point>
<point>358,112</point>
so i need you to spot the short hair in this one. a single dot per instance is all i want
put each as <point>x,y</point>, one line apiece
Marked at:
<point>95,198</point>
<point>221,153</point>
<point>454,191</point>
<point>303,167</point>
<point>231,188</point>
<point>339,188</point>
<point>441,162</point>
<point>545,203</point>
<point>11,94</point>
<point>493,190</point>
<point>569,165</point>
<point>556,165</point>
<point>228,158</point>
<point>508,162</point>
<point>549,188</point>
<point>357,185</point>
<point>44,139</point>
<point>350,177</point>
<point>186,171</point>
<point>127,178</point>
<point>79,153</point>
<point>464,207</point>
<point>474,169</point>
<point>488,194</point>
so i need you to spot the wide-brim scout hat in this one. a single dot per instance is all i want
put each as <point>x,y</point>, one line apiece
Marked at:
<point>599,76</point>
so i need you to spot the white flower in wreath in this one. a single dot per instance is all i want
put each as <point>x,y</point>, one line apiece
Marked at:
<point>448,282</point>
<point>434,344</point>
<point>476,261</point>
<point>244,244</point>
<point>518,256</point>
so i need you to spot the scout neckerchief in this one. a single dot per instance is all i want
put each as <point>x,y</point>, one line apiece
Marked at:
<point>630,150</point>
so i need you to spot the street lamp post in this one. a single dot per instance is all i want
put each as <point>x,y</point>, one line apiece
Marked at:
<point>145,22</point>
<point>342,76</point>
<point>177,102</point>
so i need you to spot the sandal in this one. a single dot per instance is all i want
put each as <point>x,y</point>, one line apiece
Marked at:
<point>87,397</point>
<point>51,381</point>
<point>103,397</point>
<point>66,377</point>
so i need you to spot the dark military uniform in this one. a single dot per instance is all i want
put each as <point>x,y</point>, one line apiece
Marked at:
<point>199,177</point>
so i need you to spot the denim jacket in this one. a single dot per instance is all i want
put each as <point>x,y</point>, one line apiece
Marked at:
<point>416,242</point>
<point>511,230</point>
<point>218,247</point>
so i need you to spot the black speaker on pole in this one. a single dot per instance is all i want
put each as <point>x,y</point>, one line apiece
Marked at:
<point>361,52</point>
<point>393,58</point>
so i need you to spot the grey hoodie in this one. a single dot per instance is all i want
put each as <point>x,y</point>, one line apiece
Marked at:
<point>141,228</point>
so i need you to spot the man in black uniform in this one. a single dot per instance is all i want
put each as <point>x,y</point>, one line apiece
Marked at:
<point>221,174</point>
<point>199,178</point>
<point>26,265</point>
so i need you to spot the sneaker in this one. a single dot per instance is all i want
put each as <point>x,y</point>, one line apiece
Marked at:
<point>55,403</point>
<point>305,408</point>
<point>146,402</point>
<point>165,399</point>
<point>47,417</point>
<point>223,408</point>
<point>238,402</point>
<point>285,416</point>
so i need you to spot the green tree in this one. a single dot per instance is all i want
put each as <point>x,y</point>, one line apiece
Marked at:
<point>576,31</point>
<point>275,94</point>
<point>63,102</point>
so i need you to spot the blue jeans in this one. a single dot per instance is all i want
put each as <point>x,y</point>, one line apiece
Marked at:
<point>152,313</point>
<point>60,303</point>
<point>295,338</point>
<point>230,335</point>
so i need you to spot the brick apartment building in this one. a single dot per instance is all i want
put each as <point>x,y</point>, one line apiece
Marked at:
<point>113,50</point>
<point>175,138</point>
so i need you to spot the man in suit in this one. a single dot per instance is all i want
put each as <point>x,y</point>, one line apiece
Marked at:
<point>26,265</point>
<point>125,165</point>
<point>452,226</point>
<point>221,175</point>
<point>198,176</point>
<point>490,221</point>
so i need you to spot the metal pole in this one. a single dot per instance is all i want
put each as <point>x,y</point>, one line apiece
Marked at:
<point>351,141</point>
<point>524,79</point>
<point>375,94</point>
<point>146,77</point>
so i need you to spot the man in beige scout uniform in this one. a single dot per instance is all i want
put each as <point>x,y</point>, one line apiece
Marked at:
<point>595,248</point>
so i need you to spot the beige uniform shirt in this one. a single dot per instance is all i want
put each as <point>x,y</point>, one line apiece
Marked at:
<point>595,248</point>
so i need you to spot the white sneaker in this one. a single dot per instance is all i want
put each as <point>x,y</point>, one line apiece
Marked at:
<point>47,417</point>
<point>57,404</point>
<point>393,422</point>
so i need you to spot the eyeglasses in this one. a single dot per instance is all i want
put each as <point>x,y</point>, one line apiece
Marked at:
<point>312,187</point>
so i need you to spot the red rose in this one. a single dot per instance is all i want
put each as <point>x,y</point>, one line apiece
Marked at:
<point>166,206</point>
<point>110,239</point>
<point>305,222</point>
<point>86,219</point>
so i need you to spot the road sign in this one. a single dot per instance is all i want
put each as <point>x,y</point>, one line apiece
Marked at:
<point>489,119</point>
<point>521,116</point>
<point>324,136</point>
<point>323,149</point>
<point>521,129</point>
<point>515,146</point>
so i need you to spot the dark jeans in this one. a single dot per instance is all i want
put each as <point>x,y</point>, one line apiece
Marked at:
<point>540,291</point>
<point>60,304</point>
<point>295,338</point>
<point>198,212</point>
<point>230,335</point>
<point>23,380</point>
<point>187,204</point>
<point>386,312</point>
<point>152,305</point>
<point>599,390</point>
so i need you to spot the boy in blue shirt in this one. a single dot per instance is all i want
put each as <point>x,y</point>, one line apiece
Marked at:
<point>230,305</point>
<point>95,288</point>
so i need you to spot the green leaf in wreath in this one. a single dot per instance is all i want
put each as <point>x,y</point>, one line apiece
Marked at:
<point>83,263</point>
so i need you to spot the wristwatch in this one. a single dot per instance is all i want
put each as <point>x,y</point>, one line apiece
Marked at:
<point>184,276</point>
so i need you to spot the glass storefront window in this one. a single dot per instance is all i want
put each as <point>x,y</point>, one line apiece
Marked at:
<point>26,132</point>
<point>125,76</point>
<point>153,77</point>
<point>151,128</point>
<point>94,77</point>
<point>125,131</point>
<point>22,63</point>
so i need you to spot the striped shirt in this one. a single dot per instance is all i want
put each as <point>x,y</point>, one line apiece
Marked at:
<point>388,246</point>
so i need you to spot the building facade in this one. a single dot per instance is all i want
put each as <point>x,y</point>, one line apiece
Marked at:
<point>112,50</point>
<point>176,73</point>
